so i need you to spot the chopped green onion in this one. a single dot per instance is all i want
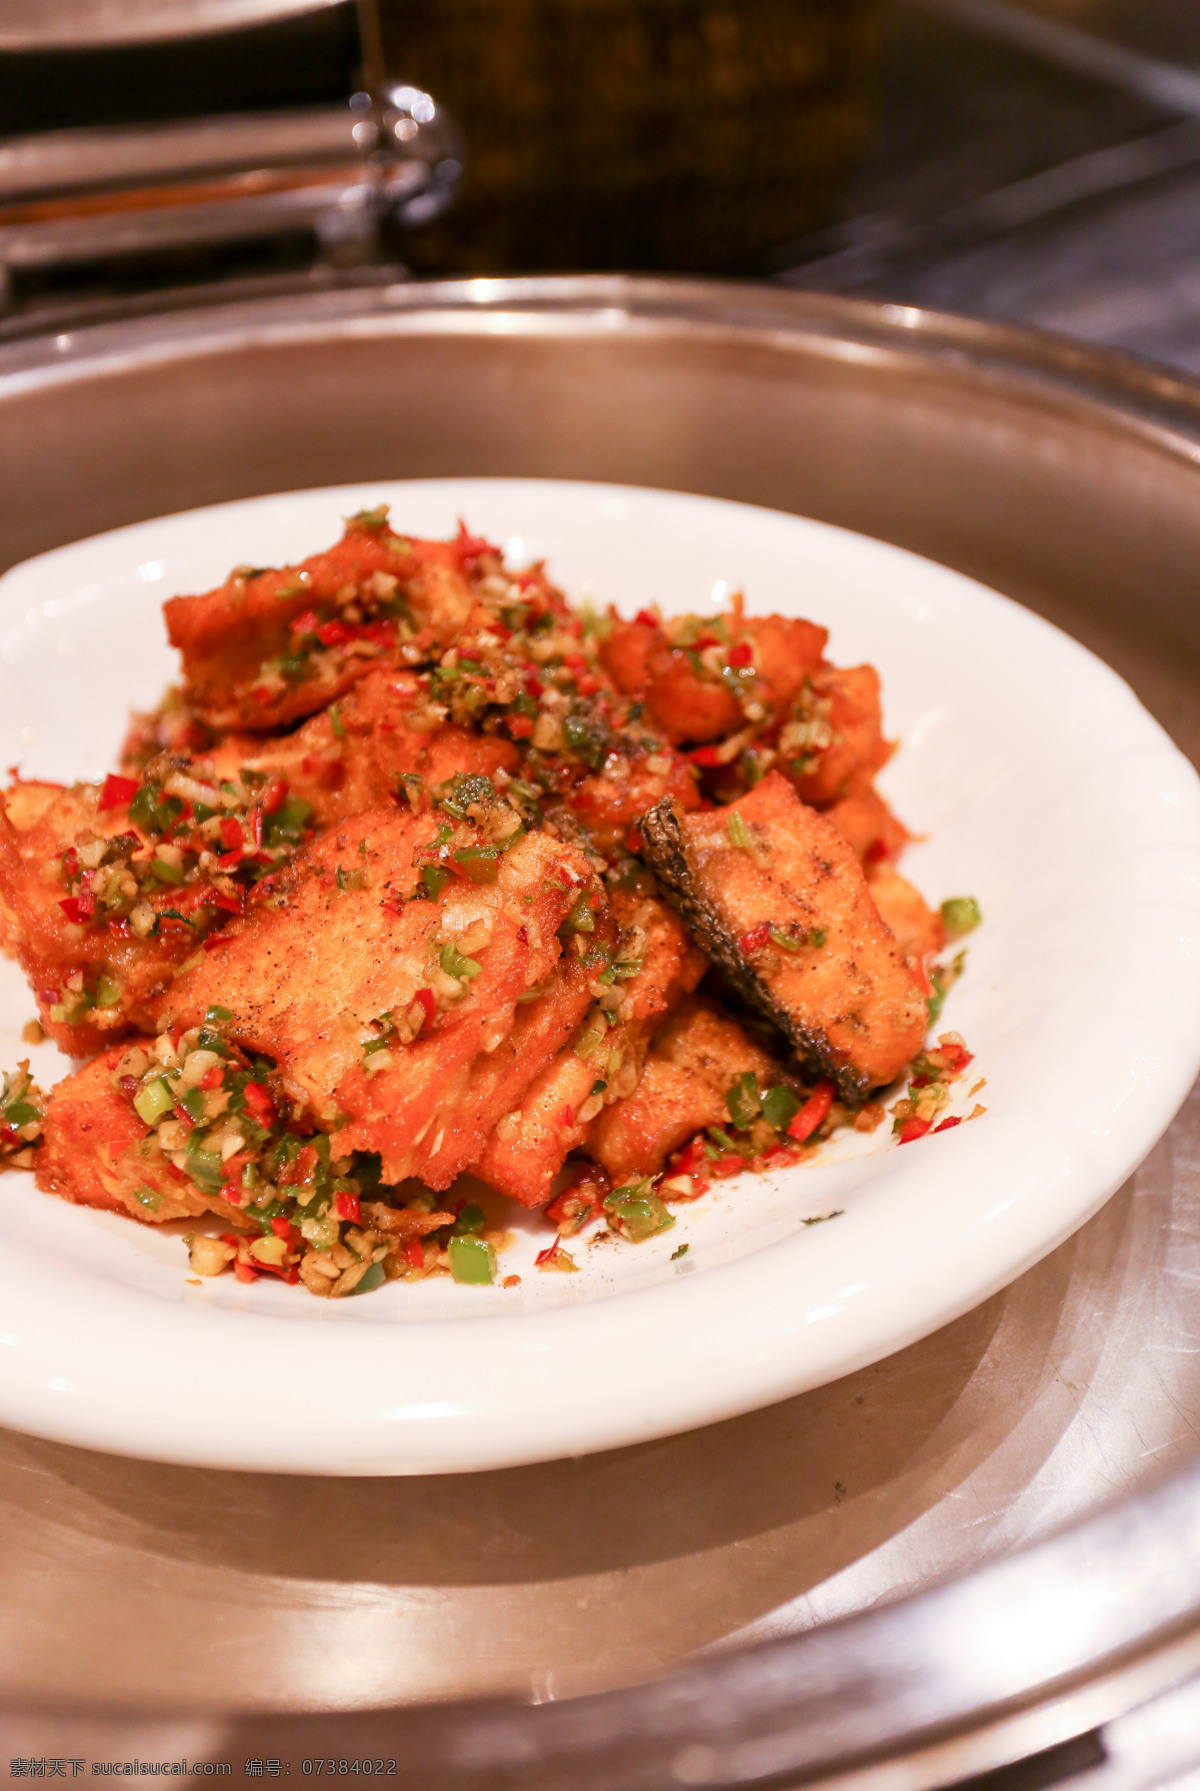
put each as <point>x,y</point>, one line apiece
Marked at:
<point>472,1260</point>
<point>587,738</point>
<point>591,1041</point>
<point>165,871</point>
<point>466,789</point>
<point>192,1102</point>
<point>480,863</point>
<point>581,918</point>
<point>336,722</point>
<point>152,1101</point>
<point>289,821</point>
<point>434,878</point>
<point>208,1172</point>
<point>349,879</point>
<point>215,1015</point>
<point>108,991</point>
<point>676,1254</point>
<point>148,1198</point>
<point>471,1219</point>
<point>369,522</point>
<point>454,964</point>
<point>740,837</point>
<point>152,811</point>
<point>961,915</point>
<point>936,1001</point>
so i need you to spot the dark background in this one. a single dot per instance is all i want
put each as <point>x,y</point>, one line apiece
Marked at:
<point>915,150</point>
<point>1019,183</point>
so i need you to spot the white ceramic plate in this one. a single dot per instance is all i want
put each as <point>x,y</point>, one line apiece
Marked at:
<point>1045,790</point>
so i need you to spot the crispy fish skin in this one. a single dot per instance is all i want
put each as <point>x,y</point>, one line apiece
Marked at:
<point>851,1006</point>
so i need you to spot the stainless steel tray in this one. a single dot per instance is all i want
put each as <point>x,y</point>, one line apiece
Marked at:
<point>1066,479</point>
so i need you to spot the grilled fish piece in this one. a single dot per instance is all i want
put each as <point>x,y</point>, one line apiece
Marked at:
<point>772,892</point>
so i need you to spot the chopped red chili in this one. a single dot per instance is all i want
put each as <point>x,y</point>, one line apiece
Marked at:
<point>814,1110</point>
<point>755,939</point>
<point>914,1128</point>
<point>118,792</point>
<point>259,1104</point>
<point>274,796</point>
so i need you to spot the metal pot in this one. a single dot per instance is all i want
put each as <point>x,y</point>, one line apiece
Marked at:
<point>912,1575</point>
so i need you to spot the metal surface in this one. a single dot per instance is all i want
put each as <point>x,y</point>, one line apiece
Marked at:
<point>96,194</point>
<point>1068,480</point>
<point>78,24</point>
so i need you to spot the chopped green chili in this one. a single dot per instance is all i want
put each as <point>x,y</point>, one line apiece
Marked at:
<point>961,915</point>
<point>743,1101</point>
<point>780,1107</point>
<point>472,1260</point>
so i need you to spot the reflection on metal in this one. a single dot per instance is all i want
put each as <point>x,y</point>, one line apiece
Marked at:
<point>981,1548</point>
<point>85,24</point>
<point>1163,84</point>
<point>337,171</point>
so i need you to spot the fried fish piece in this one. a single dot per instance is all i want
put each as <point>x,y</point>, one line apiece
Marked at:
<point>93,978</point>
<point>834,745</point>
<point>919,929</point>
<point>869,825</point>
<point>375,745</point>
<point>695,1058</point>
<point>272,645</point>
<point>691,682</point>
<point>95,1151</point>
<point>775,895</point>
<point>609,801</point>
<point>532,1142</point>
<point>376,1001</point>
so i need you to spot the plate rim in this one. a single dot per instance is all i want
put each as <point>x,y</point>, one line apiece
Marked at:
<point>715,1404</point>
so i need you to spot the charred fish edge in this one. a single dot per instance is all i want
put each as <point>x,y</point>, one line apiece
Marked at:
<point>666,851</point>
